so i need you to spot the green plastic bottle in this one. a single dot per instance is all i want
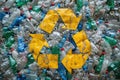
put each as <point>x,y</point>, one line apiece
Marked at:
<point>7,34</point>
<point>92,23</point>
<point>110,40</point>
<point>30,59</point>
<point>12,63</point>
<point>36,9</point>
<point>20,3</point>
<point>115,67</point>
<point>9,42</point>
<point>99,66</point>
<point>110,3</point>
<point>79,4</point>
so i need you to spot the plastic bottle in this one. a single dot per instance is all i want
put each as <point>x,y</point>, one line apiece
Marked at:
<point>14,54</point>
<point>20,3</point>
<point>26,11</point>
<point>91,24</point>
<point>110,3</point>
<point>7,34</point>
<point>110,40</point>
<point>115,66</point>
<point>67,46</point>
<point>17,21</point>
<point>12,63</point>
<point>21,44</point>
<point>2,14</point>
<point>107,61</point>
<point>33,3</point>
<point>62,71</point>
<point>30,59</point>
<point>62,54</point>
<point>4,66</point>
<point>10,42</point>
<point>8,74</point>
<point>106,46</point>
<point>94,48</point>
<point>79,4</point>
<point>99,66</point>
<point>14,14</point>
<point>9,3</point>
<point>4,20</point>
<point>61,43</point>
<point>37,9</point>
<point>36,15</point>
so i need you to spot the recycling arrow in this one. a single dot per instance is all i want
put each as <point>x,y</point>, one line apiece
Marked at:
<point>37,43</point>
<point>82,42</point>
<point>70,20</point>
<point>70,61</point>
<point>48,61</point>
<point>44,60</point>
<point>74,61</point>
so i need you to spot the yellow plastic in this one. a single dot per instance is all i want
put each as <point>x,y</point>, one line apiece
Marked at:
<point>76,61</point>
<point>67,63</point>
<point>37,43</point>
<point>82,42</point>
<point>70,61</point>
<point>48,61</point>
<point>70,20</point>
<point>73,61</point>
<point>49,21</point>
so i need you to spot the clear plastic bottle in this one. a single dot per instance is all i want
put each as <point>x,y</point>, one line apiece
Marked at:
<point>9,3</point>
<point>8,74</point>
<point>15,13</point>
<point>4,20</point>
<point>26,11</point>
<point>67,46</point>
<point>94,48</point>
<point>106,46</point>
<point>33,3</point>
<point>4,66</point>
<point>14,54</point>
<point>62,54</point>
<point>36,15</point>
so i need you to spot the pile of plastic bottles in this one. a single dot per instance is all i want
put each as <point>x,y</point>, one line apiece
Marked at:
<point>20,18</point>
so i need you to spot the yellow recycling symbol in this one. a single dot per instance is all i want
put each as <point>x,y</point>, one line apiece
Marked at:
<point>70,61</point>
